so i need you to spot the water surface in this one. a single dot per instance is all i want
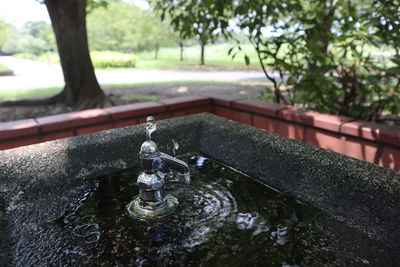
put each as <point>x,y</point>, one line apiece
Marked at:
<point>225,218</point>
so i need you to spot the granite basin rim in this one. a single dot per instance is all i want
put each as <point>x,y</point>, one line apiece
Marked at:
<point>42,178</point>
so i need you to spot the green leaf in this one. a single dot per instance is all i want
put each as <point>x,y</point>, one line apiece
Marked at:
<point>234,55</point>
<point>308,25</point>
<point>230,50</point>
<point>396,60</point>
<point>311,15</point>
<point>247,60</point>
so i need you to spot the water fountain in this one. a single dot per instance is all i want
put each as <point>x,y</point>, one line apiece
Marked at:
<point>65,202</point>
<point>152,202</point>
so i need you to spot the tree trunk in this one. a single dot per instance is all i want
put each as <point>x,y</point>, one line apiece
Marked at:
<point>202,45</point>
<point>81,90</point>
<point>157,48</point>
<point>181,47</point>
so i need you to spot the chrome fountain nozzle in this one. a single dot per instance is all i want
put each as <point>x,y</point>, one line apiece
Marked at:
<point>152,201</point>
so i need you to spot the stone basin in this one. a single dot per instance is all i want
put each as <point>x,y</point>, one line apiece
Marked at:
<point>38,181</point>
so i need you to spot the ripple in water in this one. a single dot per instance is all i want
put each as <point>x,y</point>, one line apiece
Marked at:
<point>224,218</point>
<point>204,209</point>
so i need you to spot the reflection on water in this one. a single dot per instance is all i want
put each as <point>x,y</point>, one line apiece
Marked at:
<point>224,218</point>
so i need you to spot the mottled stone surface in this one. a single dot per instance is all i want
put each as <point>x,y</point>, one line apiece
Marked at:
<point>363,195</point>
<point>38,181</point>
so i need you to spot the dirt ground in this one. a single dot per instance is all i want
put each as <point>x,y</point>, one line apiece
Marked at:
<point>123,96</point>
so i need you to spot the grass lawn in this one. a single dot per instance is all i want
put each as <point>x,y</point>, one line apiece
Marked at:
<point>216,56</point>
<point>29,93</point>
<point>45,92</point>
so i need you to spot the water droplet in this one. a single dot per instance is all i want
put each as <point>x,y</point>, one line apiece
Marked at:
<point>150,126</point>
<point>187,178</point>
<point>246,221</point>
<point>200,161</point>
<point>175,146</point>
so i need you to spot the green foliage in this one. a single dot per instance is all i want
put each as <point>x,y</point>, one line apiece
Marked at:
<point>169,57</point>
<point>110,59</point>
<point>48,57</point>
<point>6,33</point>
<point>100,59</point>
<point>120,26</point>
<point>3,68</point>
<point>35,38</point>
<point>216,56</point>
<point>323,52</point>
<point>192,18</point>
<point>93,4</point>
<point>111,25</point>
<point>157,33</point>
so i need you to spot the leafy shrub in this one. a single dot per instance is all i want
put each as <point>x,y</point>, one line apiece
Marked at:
<point>110,59</point>
<point>340,57</point>
<point>100,59</point>
<point>24,55</point>
<point>48,57</point>
<point>328,56</point>
<point>3,68</point>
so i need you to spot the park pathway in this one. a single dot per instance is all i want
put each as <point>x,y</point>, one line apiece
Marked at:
<point>31,74</point>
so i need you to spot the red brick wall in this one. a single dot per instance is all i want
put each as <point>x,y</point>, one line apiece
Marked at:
<point>367,141</point>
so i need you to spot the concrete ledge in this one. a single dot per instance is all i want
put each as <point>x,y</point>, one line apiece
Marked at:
<point>21,128</point>
<point>311,118</point>
<point>375,143</point>
<point>135,110</point>
<point>72,120</point>
<point>6,73</point>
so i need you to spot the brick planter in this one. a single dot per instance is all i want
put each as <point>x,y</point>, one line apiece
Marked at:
<point>367,141</point>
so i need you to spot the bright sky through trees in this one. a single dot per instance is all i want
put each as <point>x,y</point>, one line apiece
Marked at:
<point>32,10</point>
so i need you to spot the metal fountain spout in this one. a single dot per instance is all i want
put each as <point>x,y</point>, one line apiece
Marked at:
<point>152,201</point>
